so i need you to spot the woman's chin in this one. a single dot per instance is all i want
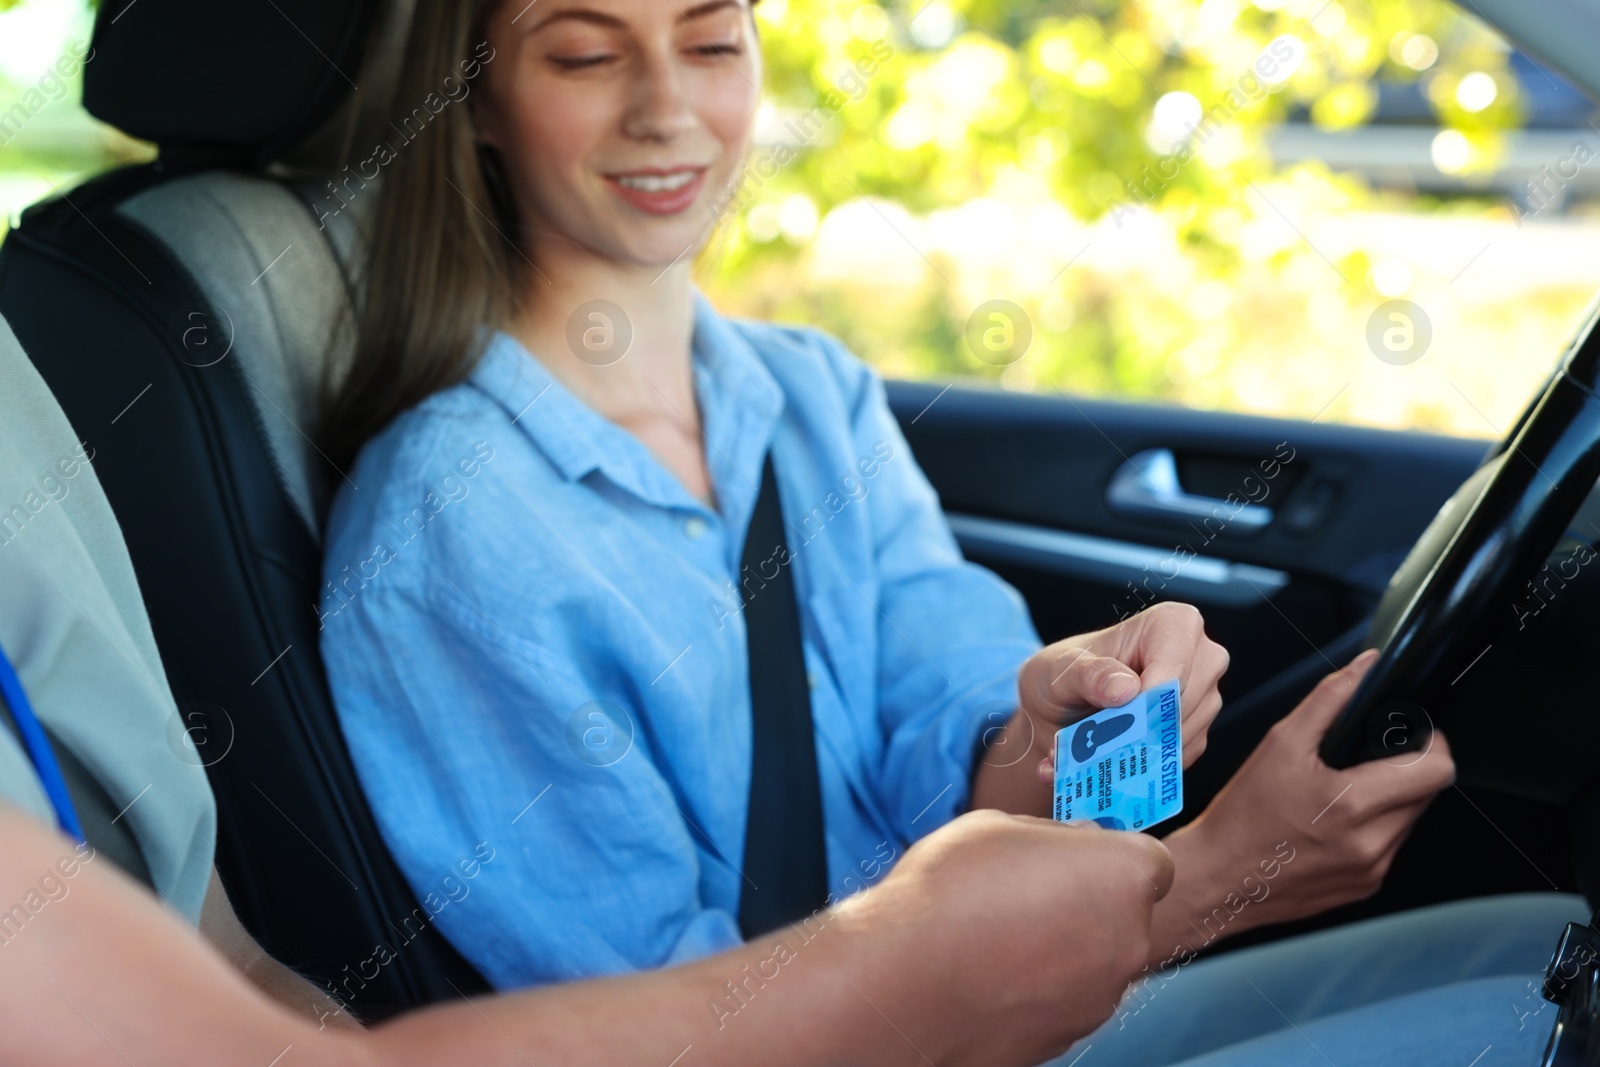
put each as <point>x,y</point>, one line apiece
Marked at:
<point>661,250</point>
<point>649,243</point>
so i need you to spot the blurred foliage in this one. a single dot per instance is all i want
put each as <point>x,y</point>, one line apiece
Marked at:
<point>1017,126</point>
<point>47,140</point>
<point>943,154</point>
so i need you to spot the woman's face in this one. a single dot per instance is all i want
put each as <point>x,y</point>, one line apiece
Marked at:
<point>623,124</point>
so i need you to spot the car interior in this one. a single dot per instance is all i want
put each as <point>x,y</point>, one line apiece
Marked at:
<point>188,311</point>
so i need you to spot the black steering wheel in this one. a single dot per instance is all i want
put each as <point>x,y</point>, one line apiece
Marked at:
<point>1458,625</point>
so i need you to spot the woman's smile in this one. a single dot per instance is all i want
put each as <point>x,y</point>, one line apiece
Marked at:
<point>659,191</point>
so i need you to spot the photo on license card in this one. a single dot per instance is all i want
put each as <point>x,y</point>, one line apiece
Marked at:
<point>1122,767</point>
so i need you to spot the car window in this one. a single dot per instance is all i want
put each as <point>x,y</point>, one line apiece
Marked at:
<point>48,142</point>
<point>1362,212</point>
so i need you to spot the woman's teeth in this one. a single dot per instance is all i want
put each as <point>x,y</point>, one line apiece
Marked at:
<point>657,183</point>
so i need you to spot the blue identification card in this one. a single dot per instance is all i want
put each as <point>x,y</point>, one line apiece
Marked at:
<point>1123,767</point>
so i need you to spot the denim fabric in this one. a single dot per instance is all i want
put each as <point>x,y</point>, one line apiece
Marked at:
<point>1436,986</point>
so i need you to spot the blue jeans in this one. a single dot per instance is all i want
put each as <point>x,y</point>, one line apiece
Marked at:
<point>1453,985</point>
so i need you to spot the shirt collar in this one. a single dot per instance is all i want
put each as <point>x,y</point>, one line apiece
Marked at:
<point>740,405</point>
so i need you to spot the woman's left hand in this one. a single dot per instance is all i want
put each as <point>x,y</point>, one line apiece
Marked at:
<point>1062,683</point>
<point>1341,829</point>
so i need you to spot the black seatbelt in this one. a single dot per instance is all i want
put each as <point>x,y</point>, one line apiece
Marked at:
<point>785,861</point>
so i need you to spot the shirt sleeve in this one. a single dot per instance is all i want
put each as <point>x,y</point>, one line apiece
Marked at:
<point>465,736</point>
<point>951,634</point>
<point>19,783</point>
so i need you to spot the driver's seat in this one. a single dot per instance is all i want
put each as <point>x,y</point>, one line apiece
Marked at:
<point>185,313</point>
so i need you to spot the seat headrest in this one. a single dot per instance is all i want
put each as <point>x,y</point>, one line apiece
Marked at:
<point>243,83</point>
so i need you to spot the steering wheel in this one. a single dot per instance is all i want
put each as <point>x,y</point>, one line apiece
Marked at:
<point>1460,605</point>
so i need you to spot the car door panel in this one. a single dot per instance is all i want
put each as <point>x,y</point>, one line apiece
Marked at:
<point>1029,484</point>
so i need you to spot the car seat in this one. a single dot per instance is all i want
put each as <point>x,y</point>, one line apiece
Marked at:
<point>185,313</point>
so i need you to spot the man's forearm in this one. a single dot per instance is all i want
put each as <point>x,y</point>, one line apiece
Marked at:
<point>814,1008</point>
<point>220,925</point>
<point>105,973</point>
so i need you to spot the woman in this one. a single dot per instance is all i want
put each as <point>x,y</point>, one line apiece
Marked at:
<point>534,617</point>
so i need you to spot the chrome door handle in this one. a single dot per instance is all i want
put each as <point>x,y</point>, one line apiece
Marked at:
<point>1199,579</point>
<point>1146,487</point>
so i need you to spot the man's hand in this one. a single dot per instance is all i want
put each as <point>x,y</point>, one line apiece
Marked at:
<point>1341,828</point>
<point>1064,682</point>
<point>997,941</point>
<point>1033,927</point>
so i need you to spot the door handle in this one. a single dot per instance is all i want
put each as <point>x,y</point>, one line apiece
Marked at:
<point>1208,580</point>
<point>1146,487</point>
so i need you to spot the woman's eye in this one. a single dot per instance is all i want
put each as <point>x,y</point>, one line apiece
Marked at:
<point>729,49</point>
<point>579,62</point>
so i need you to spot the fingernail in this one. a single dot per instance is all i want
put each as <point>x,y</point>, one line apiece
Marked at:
<point>1121,685</point>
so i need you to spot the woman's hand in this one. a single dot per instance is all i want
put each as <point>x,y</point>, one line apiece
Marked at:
<point>1061,684</point>
<point>1328,837</point>
<point>1073,678</point>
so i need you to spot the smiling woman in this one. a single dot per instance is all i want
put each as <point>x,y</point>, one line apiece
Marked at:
<point>530,286</point>
<point>453,247</point>
<point>531,291</point>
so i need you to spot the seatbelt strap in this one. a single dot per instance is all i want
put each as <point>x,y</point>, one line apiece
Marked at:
<point>785,859</point>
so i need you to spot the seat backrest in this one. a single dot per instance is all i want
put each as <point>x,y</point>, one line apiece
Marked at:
<point>185,315</point>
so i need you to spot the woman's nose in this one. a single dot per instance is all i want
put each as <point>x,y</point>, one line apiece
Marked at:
<point>659,109</point>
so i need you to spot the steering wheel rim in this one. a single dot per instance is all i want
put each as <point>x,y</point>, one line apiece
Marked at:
<point>1517,508</point>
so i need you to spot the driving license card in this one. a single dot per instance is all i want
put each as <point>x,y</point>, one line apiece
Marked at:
<point>1123,767</point>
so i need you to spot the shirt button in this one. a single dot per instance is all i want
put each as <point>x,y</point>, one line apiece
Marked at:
<point>811,679</point>
<point>694,527</point>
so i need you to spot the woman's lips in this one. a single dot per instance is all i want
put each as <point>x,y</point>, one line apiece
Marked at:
<point>661,201</point>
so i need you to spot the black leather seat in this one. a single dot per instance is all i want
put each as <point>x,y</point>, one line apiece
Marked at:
<point>185,313</point>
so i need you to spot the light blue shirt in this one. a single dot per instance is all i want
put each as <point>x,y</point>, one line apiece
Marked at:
<point>534,640</point>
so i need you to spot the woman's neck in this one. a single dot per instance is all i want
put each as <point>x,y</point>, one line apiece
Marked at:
<point>647,388</point>
<point>579,313</point>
